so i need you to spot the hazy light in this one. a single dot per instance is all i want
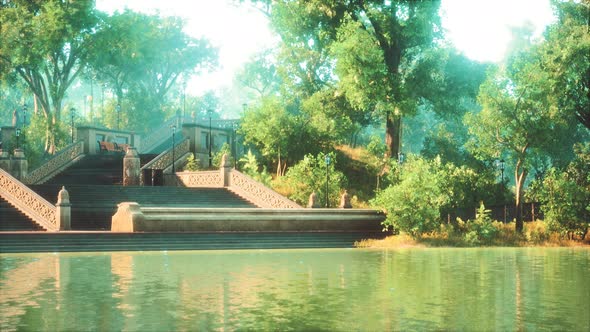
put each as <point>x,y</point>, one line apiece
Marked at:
<point>481,29</point>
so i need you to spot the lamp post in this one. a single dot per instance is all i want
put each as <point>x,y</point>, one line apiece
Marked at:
<point>173,147</point>
<point>17,136</point>
<point>118,108</point>
<point>210,139</point>
<point>327,160</point>
<point>24,114</point>
<point>72,112</point>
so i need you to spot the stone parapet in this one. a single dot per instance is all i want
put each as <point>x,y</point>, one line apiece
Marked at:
<point>159,219</point>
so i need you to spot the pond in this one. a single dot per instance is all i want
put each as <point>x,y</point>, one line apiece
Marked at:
<point>335,290</point>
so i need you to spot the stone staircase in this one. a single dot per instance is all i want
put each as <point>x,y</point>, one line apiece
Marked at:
<point>93,170</point>
<point>94,205</point>
<point>95,191</point>
<point>13,220</point>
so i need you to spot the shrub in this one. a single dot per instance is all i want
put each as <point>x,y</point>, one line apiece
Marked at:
<point>309,175</point>
<point>192,163</point>
<point>565,204</point>
<point>225,149</point>
<point>250,167</point>
<point>413,205</point>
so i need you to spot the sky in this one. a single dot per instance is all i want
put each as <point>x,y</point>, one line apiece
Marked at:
<point>478,28</point>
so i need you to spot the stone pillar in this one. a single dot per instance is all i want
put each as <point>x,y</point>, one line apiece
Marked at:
<point>189,130</point>
<point>5,161</point>
<point>131,167</point>
<point>63,214</point>
<point>20,165</point>
<point>345,201</point>
<point>225,169</point>
<point>313,201</point>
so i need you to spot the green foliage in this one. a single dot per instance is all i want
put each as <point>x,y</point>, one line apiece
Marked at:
<point>566,57</point>
<point>565,204</point>
<point>309,175</point>
<point>46,44</point>
<point>376,146</point>
<point>413,205</point>
<point>141,57</point>
<point>422,190</point>
<point>192,163</point>
<point>249,165</point>
<point>481,230</point>
<point>225,149</point>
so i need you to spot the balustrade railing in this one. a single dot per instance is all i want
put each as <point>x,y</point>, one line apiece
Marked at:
<point>201,179</point>
<point>164,159</point>
<point>158,136</point>
<point>55,165</point>
<point>27,201</point>
<point>258,193</point>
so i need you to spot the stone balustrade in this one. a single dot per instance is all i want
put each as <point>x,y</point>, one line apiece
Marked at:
<point>164,160</point>
<point>62,160</point>
<point>42,212</point>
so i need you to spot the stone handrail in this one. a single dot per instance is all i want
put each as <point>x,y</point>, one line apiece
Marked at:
<point>200,179</point>
<point>257,193</point>
<point>58,163</point>
<point>158,136</point>
<point>30,203</point>
<point>164,159</point>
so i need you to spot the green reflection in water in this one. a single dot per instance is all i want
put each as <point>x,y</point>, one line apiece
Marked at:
<point>332,290</point>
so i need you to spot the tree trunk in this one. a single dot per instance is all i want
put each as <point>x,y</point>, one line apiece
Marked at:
<point>393,135</point>
<point>520,178</point>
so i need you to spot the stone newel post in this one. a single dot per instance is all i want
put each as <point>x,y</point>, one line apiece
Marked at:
<point>64,210</point>
<point>225,170</point>
<point>131,167</point>
<point>20,165</point>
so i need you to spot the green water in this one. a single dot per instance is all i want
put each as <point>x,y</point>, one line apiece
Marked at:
<point>333,290</point>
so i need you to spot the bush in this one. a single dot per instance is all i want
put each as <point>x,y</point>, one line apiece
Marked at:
<point>192,163</point>
<point>249,166</point>
<point>308,176</point>
<point>483,225</point>
<point>413,205</point>
<point>565,204</point>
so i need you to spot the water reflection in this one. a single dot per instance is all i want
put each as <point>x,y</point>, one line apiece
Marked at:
<point>410,289</point>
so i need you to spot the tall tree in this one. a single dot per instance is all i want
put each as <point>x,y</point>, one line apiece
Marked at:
<point>142,57</point>
<point>368,51</point>
<point>566,57</point>
<point>46,42</point>
<point>519,120</point>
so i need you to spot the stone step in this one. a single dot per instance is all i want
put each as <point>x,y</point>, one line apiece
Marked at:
<point>94,205</point>
<point>104,241</point>
<point>11,219</point>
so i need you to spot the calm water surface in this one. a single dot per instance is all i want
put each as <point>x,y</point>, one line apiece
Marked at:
<point>334,290</point>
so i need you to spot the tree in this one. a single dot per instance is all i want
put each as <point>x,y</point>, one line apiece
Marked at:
<point>260,74</point>
<point>46,43</point>
<point>520,118</point>
<point>566,57</point>
<point>142,56</point>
